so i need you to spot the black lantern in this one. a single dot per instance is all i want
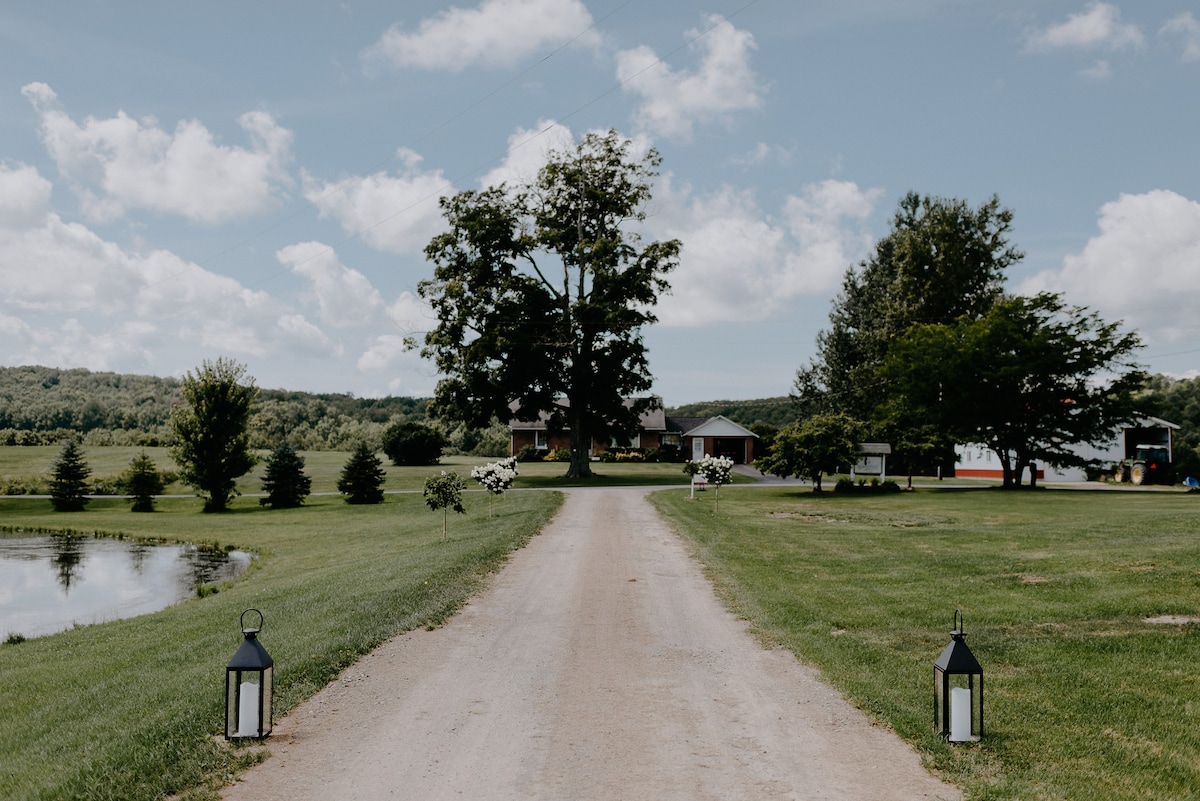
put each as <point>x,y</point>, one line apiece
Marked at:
<point>249,687</point>
<point>957,708</point>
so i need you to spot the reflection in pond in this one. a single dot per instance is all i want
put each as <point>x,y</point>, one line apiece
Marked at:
<point>48,584</point>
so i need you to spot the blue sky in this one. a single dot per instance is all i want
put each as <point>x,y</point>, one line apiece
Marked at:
<point>181,181</point>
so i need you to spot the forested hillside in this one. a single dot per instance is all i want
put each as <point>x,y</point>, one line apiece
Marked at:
<point>44,405</point>
<point>773,412</point>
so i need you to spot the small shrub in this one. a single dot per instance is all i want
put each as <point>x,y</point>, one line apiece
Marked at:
<point>558,455</point>
<point>141,482</point>
<point>14,639</point>
<point>528,453</point>
<point>445,492</point>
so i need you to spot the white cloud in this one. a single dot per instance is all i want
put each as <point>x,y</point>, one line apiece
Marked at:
<point>24,196</point>
<point>1185,25</point>
<point>395,214</point>
<point>411,315</point>
<point>1142,267</point>
<point>344,296</point>
<point>497,33</point>
<point>528,149</point>
<point>1099,26</point>
<point>740,264</point>
<point>121,163</point>
<point>1098,71</point>
<point>674,101</point>
<point>120,307</point>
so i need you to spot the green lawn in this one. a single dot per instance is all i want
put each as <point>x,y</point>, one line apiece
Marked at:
<point>324,467</point>
<point>1085,699</point>
<point>129,709</point>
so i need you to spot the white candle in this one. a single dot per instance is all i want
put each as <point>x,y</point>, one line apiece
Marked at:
<point>248,710</point>
<point>960,715</point>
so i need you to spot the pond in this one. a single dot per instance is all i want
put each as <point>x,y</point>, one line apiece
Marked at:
<point>52,583</point>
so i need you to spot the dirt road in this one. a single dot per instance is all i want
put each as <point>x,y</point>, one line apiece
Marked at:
<point>599,666</point>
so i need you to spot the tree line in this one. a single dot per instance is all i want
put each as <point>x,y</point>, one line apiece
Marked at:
<point>925,350</point>
<point>45,406</point>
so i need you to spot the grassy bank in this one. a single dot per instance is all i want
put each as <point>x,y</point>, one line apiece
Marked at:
<point>128,710</point>
<point>1084,697</point>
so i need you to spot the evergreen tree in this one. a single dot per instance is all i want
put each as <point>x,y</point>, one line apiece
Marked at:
<point>141,482</point>
<point>68,486</point>
<point>362,478</point>
<point>284,482</point>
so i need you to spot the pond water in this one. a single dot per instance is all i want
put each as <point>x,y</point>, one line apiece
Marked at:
<point>49,584</point>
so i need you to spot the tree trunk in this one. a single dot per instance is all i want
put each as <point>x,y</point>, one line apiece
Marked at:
<point>1005,467</point>
<point>581,464</point>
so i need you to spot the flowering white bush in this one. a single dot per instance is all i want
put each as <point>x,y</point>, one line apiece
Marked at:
<point>717,469</point>
<point>496,477</point>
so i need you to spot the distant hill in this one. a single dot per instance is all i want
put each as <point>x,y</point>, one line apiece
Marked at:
<point>41,405</point>
<point>776,412</point>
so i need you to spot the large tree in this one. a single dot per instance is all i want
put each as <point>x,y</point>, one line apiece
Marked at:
<point>541,293</point>
<point>1029,380</point>
<point>212,430</point>
<point>941,260</point>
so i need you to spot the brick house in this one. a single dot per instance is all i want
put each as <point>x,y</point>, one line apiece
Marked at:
<point>675,438</point>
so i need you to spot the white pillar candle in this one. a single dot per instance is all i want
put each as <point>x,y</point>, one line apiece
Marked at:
<point>248,710</point>
<point>960,715</point>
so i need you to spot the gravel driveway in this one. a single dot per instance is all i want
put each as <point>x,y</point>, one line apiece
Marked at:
<point>599,665</point>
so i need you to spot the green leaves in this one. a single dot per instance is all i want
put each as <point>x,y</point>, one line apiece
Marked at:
<point>213,448</point>
<point>1032,377</point>
<point>541,292</point>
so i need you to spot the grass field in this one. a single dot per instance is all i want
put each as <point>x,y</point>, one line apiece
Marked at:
<point>1082,606</point>
<point>128,710</point>
<point>1086,697</point>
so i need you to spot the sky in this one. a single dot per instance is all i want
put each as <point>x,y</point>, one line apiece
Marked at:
<point>258,181</point>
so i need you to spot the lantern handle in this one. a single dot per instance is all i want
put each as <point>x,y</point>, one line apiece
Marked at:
<point>242,621</point>
<point>958,622</point>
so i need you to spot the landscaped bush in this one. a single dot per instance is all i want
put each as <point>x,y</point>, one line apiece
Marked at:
<point>558,455</point>
<point>874,486</point>
<point>529,453</point>
<point>413,444</point>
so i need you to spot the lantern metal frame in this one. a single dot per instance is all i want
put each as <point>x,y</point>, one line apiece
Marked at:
<point>957,660</point>
<point>249,662</point>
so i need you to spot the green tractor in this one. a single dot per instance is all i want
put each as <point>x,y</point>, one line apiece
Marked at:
<point>1151,464</point>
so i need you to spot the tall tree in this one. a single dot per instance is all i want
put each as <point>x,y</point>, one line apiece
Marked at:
<point>68,481</point>
<point>541,294</point>
<point>212,430</point>
<point>941,260</point>
<point>1029,379</point>
<point>284,479</point>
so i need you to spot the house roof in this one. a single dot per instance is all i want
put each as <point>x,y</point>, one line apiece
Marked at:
<point>1154,422</point>
<point>719,426</point>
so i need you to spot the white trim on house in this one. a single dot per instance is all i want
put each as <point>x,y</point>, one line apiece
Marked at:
<point>720,426</point>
